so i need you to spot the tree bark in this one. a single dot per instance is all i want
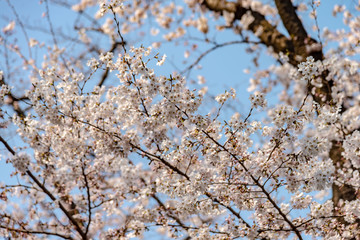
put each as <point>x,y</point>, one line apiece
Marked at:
<point>297,44</point>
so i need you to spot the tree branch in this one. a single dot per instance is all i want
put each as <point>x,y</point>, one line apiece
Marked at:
<point>256,181</point>
<point>106,73</point>
<point>296,30</point>
<point>50,195</point>
<point>35,232</point>
<point>269,35</point>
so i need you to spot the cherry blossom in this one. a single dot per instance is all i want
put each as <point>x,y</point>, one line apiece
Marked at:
<point>105,143</point>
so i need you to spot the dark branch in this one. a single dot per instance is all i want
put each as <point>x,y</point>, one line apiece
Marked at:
<point>35,232</point>
<point>269,35</point>
<point>49,194</point>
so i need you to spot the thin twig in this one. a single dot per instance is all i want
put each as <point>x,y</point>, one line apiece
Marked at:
<point>50,195</point>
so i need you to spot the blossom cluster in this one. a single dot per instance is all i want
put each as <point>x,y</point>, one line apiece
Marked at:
<point>21,162</point>
<point>140,153</point>
<point>204,167</point>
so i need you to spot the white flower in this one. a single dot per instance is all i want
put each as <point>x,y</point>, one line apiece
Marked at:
<point>258,100</point>
<point>33,42</point>
<point>201,79</point>
<point>225,96</point>
<point>161,62</point>
<point>352,211</point>
<point>8,28</point>
<point>247,19</point>
<point>154,31</point>
<point>4,90</point>
<point>299,201</point>
<point>93,63</point>
<point>310,68</point>
<point>202,25</point>
<point>352,148</point>
<point>229,17</point>
<point>21,162</point>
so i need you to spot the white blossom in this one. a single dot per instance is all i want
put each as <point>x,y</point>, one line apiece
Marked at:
<point>21,162</point>
<point>105,145</point>
<point>161,62</point>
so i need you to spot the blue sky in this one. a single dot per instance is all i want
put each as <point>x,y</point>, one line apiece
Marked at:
<point>222,68</point>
